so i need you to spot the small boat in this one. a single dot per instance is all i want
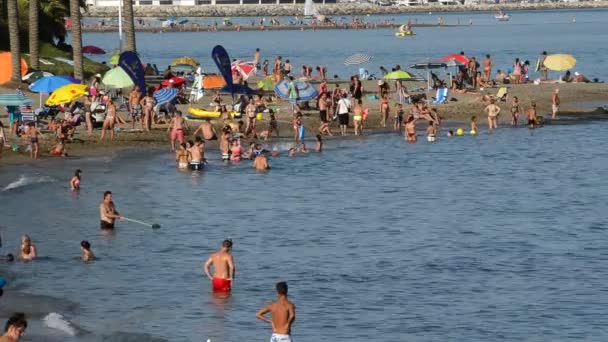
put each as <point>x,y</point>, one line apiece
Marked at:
<point>502,16</point>
<point>404,34</point>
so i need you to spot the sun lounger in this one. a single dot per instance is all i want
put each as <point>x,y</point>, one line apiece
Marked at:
<point>502,94</point>
<point>442,96</point>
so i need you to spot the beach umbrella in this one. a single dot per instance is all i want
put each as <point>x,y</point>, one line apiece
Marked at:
<point>49,84</point>
<point>213,82</point>
<point>306,91</point>
<point>93,50</point>
<point>358,58</point>
<point>428,66</point>
<point>6,67</point>
<point>457,59</point>
<point>183,67</point>
<point>185,60</point>
<point>177,81</point>
<point>66,94</point>
<point>117,78</point>
<point>267,83</point>
<point>14,100</point>
<point>165,95</point>
<point>35,76</point>
<point>560,62</point>
<point>246,69</point>
<point>397,75</point>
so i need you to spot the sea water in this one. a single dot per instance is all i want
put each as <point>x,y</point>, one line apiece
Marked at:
<point>494,237</point>
<point>525,36</point>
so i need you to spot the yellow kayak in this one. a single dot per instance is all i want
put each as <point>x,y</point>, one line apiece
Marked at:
<point>204,113</point>
<point>404,34</point>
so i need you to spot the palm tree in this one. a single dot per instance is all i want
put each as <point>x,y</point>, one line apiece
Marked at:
<point>34,38</point>
<point>127,9</point>
<point>76,38</point>
<point>13,36</point>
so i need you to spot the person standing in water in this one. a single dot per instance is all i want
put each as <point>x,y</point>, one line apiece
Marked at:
<point>283,314</point>
<point>28,249</point>
<point>492,110</point>
<point>107,212</point>
<point>87,253</point>
<point>515,111</point>
<point>176,128</point>
<point>75,181</point>
<point>207,129</point>
<point>224,269</point>
<point>15,328</point>
<point>555,104</point>
<point>34,135</point>
<point>532,116</point>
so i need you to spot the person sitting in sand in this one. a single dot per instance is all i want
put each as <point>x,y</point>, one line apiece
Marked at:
<point>260,162</point>
<point>87,253</point>
<point>567,77</point>
<point>28,249</point>
<point>502,77</point>
<point>580,78</point>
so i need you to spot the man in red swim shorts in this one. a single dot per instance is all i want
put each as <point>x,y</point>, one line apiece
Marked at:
<point>224,269</point>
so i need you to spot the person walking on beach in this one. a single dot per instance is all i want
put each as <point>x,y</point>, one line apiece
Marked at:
<point>107,212</point>
<point>224,268</point>
<point>555,104</point>
<point>487,68</point>
<point>148,103</point>
<point>344,106</point>
<point>492,110</point>
<point>283,314</point>
<point>177,125</point>
<point>15,328</point>
<point>135,106</point>
<point>110,119</point>
<point>34,135</point>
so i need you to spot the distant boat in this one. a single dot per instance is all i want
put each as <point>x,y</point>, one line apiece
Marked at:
<point>310,10</point>
<point>502,16</point>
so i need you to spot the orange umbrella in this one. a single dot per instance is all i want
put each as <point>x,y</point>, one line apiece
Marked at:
<point>213,82</point>
<point>6,67</point>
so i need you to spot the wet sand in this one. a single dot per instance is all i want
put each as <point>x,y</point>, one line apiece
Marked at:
<point>455,113</point>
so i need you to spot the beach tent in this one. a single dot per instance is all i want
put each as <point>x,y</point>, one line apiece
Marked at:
<point>6,67</point>
<point>213,82</point>
<point>117,78</point>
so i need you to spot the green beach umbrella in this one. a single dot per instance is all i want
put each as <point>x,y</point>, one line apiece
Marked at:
<point>397,75</point>
<point>117,78</point>
<point>114,59</point>
<point>14,100</point>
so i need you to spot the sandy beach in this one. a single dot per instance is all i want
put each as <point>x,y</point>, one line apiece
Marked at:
<point>456,113</point>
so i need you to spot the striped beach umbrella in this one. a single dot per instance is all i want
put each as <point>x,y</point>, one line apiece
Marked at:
<point>165,95</point>
<point>306,91</point>
<point>358,58</point>
<point>14,100</point>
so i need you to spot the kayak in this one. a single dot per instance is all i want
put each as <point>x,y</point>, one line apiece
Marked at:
<point>200,113</point>
<point>404,34</point>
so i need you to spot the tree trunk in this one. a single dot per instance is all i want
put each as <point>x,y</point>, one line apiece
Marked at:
<point>13,36</point>
<point>34,37</point>
<point>127,9</point>
<point>76,39</point>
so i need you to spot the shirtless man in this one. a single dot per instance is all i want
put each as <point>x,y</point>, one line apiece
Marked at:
<point>197,151</point>
<point>207,129</point>
<point>107,211</point>
<point>555,104</point>
<point>487,68</point>
<point>15,328</point>
<point>532,115</point>
<point>225,143</point>
<point>472,70</point>
<point>135,106</point>
<point>492,110</point>
<point>260,163</point>
<point>33,134</point>
<point>256,59</point>
<point>283,314</point>
<point>176,127</point>
<point>223,263</point>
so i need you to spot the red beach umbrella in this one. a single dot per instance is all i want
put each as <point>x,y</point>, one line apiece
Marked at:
<point>94,50</point>
<point>460,59</point>
<point>177,81</point>
<point>246,69</point>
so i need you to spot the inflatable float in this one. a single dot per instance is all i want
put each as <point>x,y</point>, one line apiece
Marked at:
<point>200,113</point>
<point>404,34</point>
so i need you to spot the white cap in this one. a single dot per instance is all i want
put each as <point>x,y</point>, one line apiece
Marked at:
<point>97,75</point>
<point>576,73</point>
<point>380,82</point>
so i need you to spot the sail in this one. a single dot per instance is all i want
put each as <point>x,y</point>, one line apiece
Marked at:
<point>310,10</point>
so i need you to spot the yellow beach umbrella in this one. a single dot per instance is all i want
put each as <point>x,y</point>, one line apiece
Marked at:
<point>397,75</point>
<point>186,60</point>
<point>560,62</point>
<point>66,94</point>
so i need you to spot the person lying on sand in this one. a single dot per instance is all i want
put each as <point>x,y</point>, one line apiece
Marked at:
<point>580,78</point>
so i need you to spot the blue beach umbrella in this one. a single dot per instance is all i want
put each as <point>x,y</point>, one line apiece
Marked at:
<point>48,84</point>
<point>165,95</point>
<point>306,91</point>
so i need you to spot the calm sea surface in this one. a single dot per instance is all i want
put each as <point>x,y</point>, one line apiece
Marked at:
<point>496,237</point>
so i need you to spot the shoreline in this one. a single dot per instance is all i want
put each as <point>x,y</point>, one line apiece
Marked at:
<point>341,9</point>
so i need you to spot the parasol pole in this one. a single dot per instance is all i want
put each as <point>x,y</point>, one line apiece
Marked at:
<point>120,25</point>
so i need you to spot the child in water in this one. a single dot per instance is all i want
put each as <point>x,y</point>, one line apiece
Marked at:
<point>398,117</point>
<point>431,132</point>
<point>473,125</point>
<point>236,151</point>
<point>87,253</point>
<point>28,250</point>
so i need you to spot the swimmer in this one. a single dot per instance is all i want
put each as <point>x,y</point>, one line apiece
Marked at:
<point>303,148</point>
<point>75,182</point>
<point>28,250</point>
<point>292,152</point>
<point>450,133</point>
<point>107,211</point>
<point>224,269</point>
<point>431,132</point>
<point>183,157</point>
<point>260,163</point>
<point>236,151</point>
<point>410,130</point>
<point>319,147</point>
<point>14,328</point>
<point>87,253</point>
<point>473,130</point>
<point>283,314</point>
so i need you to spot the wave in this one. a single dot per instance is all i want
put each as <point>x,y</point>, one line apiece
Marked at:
<point>58,322</point>
<point>27,180</point>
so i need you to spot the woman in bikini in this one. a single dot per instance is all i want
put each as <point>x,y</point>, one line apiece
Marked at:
<point>384,110</point>
<point>148,103</point>
<point>297,123</point>
<point>110,119</point>
<point>410,130</point>
<point>515,111</point>
<point>28,250</point>
<point>236,151</point>
<point>250,111</point>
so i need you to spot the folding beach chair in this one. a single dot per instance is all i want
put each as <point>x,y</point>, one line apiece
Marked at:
<point>442,96</point>
<point>502,94</point>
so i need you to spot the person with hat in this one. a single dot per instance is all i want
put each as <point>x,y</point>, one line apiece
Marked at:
<point>580,78</point>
